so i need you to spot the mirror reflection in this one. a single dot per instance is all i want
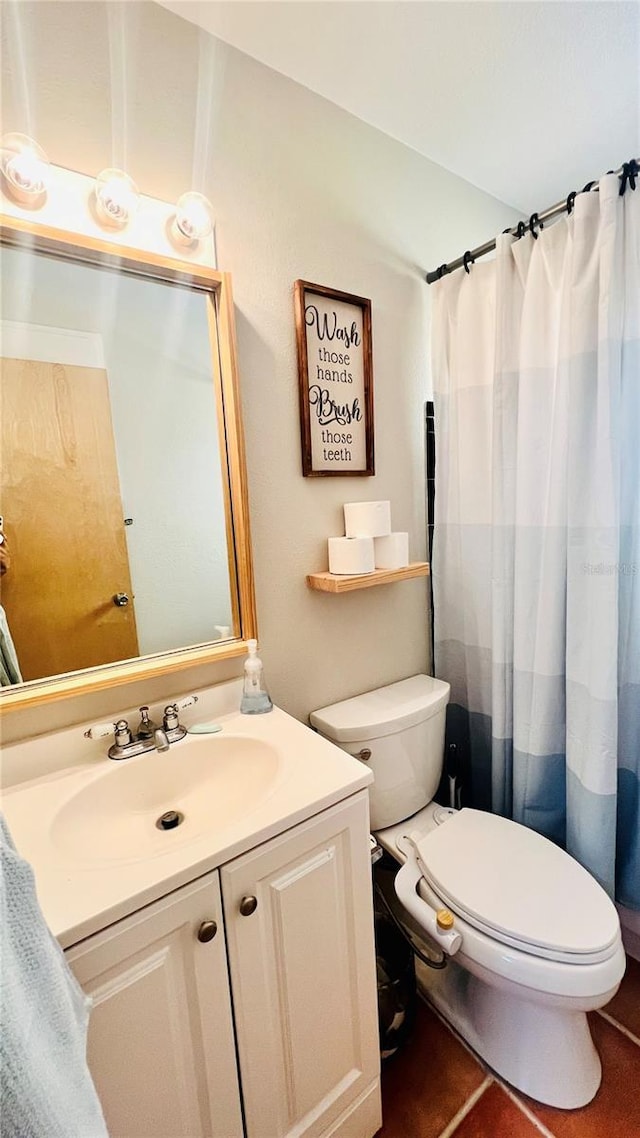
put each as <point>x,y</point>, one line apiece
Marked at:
<point>112,490</point>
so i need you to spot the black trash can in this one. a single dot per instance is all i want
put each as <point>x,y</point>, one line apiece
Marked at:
<point>395,964</point>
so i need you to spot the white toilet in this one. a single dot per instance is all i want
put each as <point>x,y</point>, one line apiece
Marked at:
<point>533,942</point>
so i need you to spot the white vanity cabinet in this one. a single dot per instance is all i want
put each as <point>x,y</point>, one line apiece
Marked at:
<point>295,922</point>
<point>303,978</point>
<point>161,1042</point>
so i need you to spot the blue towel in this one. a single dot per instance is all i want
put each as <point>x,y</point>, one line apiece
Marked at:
<point>46,1090</point>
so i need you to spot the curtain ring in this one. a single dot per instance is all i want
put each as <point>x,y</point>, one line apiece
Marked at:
<point>589,186</point>
<point>465,261</point>
<point>442,270</point>
<point>521,230</point>
<point>630,171</point>
<point>570,201</point>
<point>533,221</point>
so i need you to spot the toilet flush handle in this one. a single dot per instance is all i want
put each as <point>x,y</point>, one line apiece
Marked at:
<point>433,921</point>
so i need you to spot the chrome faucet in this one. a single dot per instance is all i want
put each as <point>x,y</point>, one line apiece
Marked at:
<point>149,736</point>
<point>160,739</point>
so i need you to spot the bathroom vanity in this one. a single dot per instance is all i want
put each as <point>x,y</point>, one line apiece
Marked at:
<point>231,968</point>
<point>282,935</point>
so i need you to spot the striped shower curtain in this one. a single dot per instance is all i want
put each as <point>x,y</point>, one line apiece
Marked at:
<point>536,559</point>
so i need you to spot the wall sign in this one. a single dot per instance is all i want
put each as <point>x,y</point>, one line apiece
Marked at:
<point>333,331</point>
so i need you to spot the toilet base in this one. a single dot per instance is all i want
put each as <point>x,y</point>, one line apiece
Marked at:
<point>544,1051</point>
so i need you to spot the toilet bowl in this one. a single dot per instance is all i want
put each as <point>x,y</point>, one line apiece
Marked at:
<point>540,947</point>
<point>532,941</point>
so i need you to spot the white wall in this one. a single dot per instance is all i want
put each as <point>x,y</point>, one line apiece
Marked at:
<point>301,190</point>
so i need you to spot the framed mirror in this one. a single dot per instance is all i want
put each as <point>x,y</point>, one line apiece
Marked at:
<point>125,532</point>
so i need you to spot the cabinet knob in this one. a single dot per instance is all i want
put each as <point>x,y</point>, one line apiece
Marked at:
<point>207,931</point>
<point>248,905</point>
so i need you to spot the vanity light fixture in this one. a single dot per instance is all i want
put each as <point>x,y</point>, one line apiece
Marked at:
<point>25,170</point>
<point>117,198</point>
<point>193,220</point>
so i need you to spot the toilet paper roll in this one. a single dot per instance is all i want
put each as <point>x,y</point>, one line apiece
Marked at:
<point>367,519</point>
<point>348,555</point>
<point>391,551</point>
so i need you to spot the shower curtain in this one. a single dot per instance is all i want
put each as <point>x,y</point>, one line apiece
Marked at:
<point>536,559</point>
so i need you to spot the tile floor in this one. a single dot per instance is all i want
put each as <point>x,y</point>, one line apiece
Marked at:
<point>436,1088</point>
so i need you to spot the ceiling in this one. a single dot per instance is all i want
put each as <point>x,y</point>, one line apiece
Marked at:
<point>527,100</point>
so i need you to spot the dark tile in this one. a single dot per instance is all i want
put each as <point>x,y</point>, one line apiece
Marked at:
<point>427,1082</point>
<point>615,1111</point>
<point>625,1005</point>
<point>495,1114</point>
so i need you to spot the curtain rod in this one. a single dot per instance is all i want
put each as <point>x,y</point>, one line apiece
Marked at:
<point>629,171</point>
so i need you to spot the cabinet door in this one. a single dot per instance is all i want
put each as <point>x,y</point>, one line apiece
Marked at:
<point>303,975</point>
<point>161,1044</point>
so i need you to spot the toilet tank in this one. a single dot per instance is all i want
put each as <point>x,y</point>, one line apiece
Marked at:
<point>402,728</point>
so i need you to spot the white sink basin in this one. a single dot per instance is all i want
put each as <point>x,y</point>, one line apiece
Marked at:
<point>211,780</point>
<point>87,824</point>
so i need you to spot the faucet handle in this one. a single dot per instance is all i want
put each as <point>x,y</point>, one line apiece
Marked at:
<point>186,701</point>
<point>170,719</point>
<point>100,731</point>
<point>123,734</point>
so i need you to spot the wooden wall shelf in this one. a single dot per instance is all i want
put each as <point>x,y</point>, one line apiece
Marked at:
<point>338,583</point>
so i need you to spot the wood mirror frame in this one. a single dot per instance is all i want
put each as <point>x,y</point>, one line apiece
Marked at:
<point>217,288</point>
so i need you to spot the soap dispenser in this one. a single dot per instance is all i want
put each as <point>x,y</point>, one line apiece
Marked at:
<point>255,697</point>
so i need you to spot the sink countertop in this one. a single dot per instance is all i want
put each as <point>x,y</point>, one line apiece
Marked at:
<point>78,898</point>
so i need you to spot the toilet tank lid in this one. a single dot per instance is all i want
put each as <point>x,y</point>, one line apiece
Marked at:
<point>383,711</point>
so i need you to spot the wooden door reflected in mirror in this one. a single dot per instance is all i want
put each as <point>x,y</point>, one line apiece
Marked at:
<point>63,521</point>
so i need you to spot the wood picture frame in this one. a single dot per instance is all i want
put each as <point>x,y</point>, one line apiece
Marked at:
<point>335,373</point>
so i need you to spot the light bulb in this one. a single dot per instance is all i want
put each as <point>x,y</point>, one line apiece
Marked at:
<point>117,198</point>
<point>193,220</point>
<point>25,167</point>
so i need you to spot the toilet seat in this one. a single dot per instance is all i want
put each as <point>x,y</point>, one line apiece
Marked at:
<point>519,888</point>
